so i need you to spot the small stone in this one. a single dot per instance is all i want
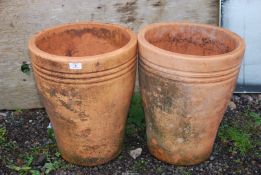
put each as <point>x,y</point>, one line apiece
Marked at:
<point>236,98</point>
<point>248,97</point>
<point>135,153</point>
<point>30,121</point>
<point>3,114</point>
<point>232,105</point>
<point>211,158</point>
<point>49,126</point>
<point>259,97</point>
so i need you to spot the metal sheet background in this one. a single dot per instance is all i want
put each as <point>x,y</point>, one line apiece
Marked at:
<point>244,18</point>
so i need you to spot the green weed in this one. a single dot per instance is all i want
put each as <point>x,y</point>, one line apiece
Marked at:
<point>18,111</point>
<point>25,68</point>
<point>50,133</point>
<point>136,118</point>
<point>183,171</point>
<point>256,117</point>
<point>26,168</point>
<point>4,143</point>
<point>139,165</point>
<point>241,140</point>
<point>2,135</point>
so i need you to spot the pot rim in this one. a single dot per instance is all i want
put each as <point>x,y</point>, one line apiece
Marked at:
<point>66,59</point>
<point>240,43</point>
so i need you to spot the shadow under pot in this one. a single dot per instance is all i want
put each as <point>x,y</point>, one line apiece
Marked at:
<point>85,75</point>
<point>187,74</point>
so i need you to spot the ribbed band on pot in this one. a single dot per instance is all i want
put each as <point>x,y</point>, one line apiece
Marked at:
<point>95,68</point>
<point>189,68</point>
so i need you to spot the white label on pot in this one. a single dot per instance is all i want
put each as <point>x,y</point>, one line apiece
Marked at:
<point>75,65</point>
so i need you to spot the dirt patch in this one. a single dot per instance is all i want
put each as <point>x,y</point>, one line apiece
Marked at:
<point>27,145</point>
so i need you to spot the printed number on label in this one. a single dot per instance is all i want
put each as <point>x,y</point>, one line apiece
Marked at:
<point>75,65</point>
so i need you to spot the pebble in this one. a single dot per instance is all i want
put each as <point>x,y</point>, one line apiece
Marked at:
<point>236,98</point>
<point>3,114</point>
<point>232,105</point>
<point>248,97</point>
<point>135,153</point>
<point>259,97</point>
<point>49,126</point>
<point>211,158</point>
<point>30,121</point>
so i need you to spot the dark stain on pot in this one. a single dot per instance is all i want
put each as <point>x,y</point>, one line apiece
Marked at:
<point>56,65</point>
<point>92,148</point>
<point>57,116</point>
<point>83,116</point>
<point>162,95</point>
<point>67,120</point>
<point>63,92</point>
<point>84,133</point>
<point>52,92</point>
<point>168,156</point>
<point>69,53</point>
<point>67,105</point>
<point>165,95</point>
<point>98,64</point>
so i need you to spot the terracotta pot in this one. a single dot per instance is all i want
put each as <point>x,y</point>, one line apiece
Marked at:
<point>187,75</point>
<point>85,74</point>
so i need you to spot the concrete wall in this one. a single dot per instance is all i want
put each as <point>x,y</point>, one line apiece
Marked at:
<point>21,18</point>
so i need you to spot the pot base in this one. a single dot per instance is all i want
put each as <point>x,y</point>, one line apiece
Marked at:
<point>174,159</point>
<point>91,161</point>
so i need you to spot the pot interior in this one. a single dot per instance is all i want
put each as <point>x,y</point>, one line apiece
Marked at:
<point>191,39</point>
<point>82,40</point>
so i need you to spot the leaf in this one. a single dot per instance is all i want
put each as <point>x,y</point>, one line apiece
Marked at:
<point>29,160</point>
<point>57,154</point>
<point>19,169</point>
<point>51,166</point>
<point>256,117</point>
<point>35,172</point>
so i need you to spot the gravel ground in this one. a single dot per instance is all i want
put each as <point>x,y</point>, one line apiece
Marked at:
<point>28,147</point>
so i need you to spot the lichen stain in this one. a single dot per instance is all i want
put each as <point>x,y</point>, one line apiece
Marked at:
<point>169,126</point>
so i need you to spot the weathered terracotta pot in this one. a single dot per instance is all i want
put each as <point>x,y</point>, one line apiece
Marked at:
<point>85,74</point>
<point>187,75</point>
